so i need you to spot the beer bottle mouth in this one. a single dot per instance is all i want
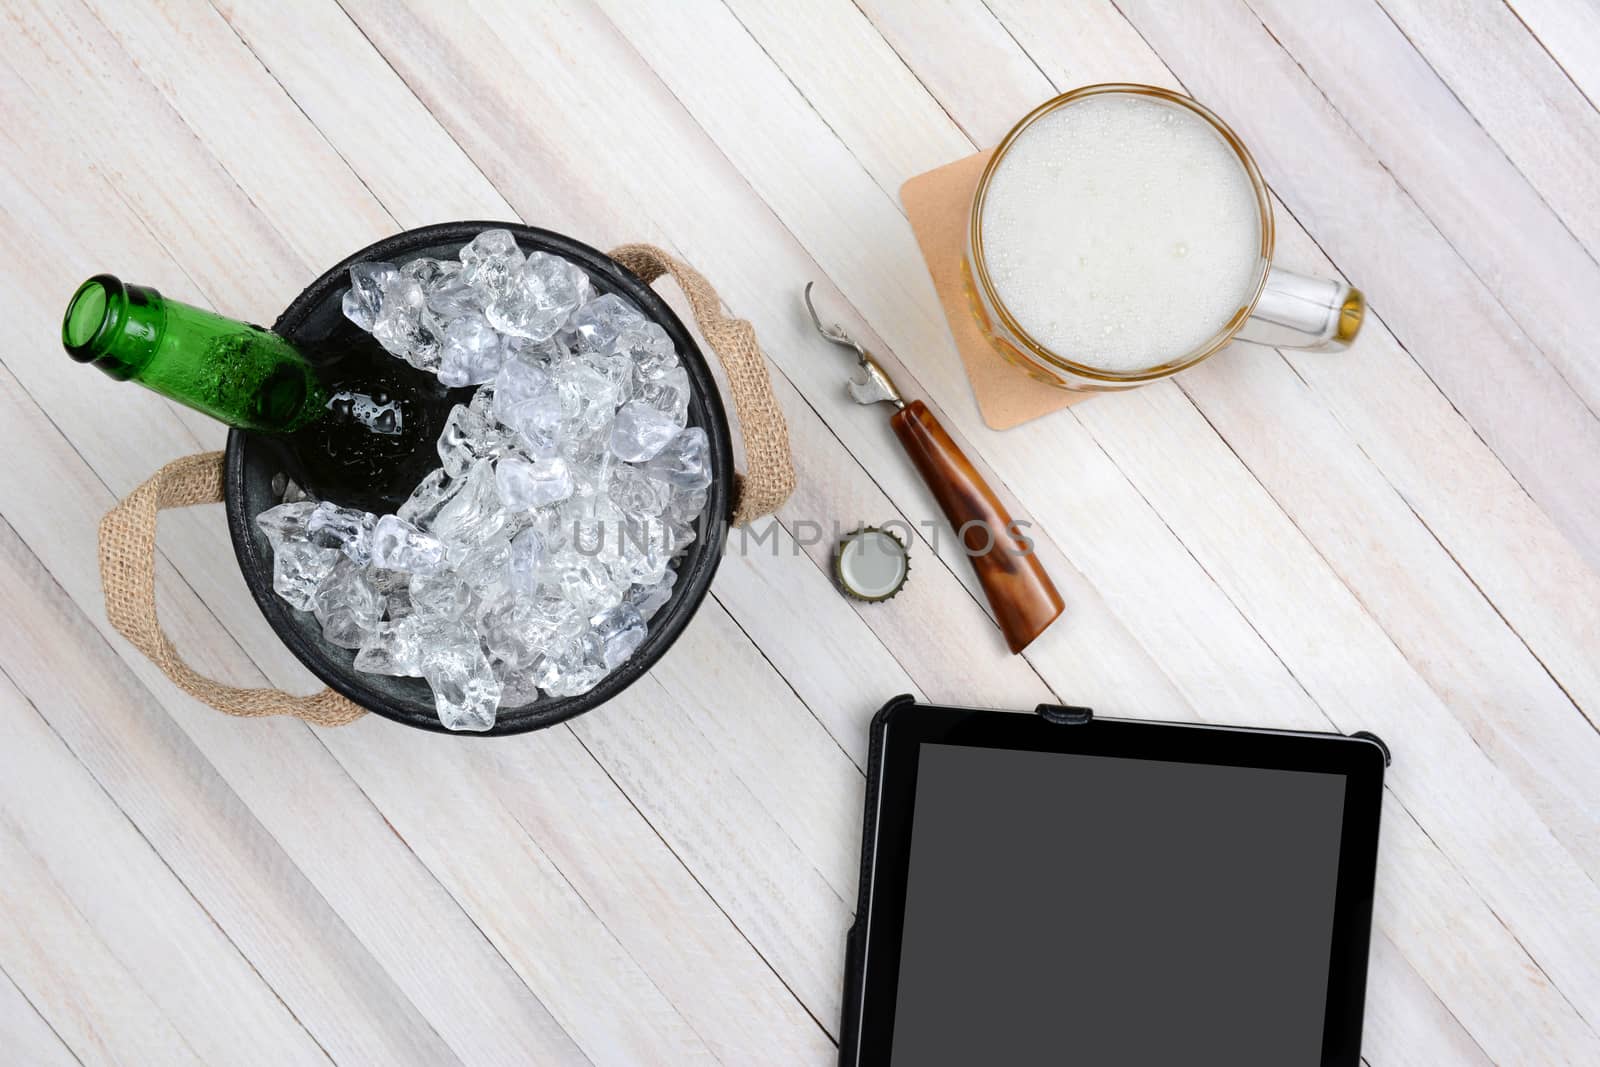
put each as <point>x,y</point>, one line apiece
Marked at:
<point>92,317</point>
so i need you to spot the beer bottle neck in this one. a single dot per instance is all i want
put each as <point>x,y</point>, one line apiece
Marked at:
<point>113,326</point>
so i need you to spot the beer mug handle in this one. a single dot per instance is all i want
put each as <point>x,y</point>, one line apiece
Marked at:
<point>1299,311</point>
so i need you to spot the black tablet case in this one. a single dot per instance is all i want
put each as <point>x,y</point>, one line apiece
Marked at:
<point>854,971</point>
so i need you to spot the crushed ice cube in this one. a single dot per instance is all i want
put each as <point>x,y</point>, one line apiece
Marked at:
<point>650,350</point>
<point>489,260</point>
<point>466,438</point>
<point>431,494</point>
<point>517,689</point>
<point>639,551</point>
<point>392,584</point>
<point>428,272</point>
<point>589,398</point>
<point>465,691</point>
<point>525,484</point>
<point>685,462</point>
<point>402,327</point>
<point>442,595</point>
<point>347,605</point>
<point>526,553</point>
<point>649,599</point>
<point>471,354</point>
<point>602,323</point>
<point>668,394</point>
<point>347,529</point>
<point>640,431</point>
<point>585,582</point>
<point>397,545</point>
<point>365,295</point>
<point>486,571</point>
<point>569,668</point>
<point>620,631</point>
<point>449,295</point>
<point>516,632</point>
<point>298,568</point>
<point>286,522</point>
<point>526,400</point>
<point>685,509</point>
<point>396,601</point>
<point>636,494</point>
<point>537,297</point>
<point>393,648</point>
<point>473,513</point>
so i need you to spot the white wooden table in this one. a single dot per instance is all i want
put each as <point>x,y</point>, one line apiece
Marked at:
<point>1404,538</point>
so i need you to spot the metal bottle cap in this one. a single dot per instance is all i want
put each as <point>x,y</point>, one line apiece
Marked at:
<point>871,564</point>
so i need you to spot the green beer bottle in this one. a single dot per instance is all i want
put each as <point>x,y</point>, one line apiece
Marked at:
<point>352,424</point>
<point>241,374</point>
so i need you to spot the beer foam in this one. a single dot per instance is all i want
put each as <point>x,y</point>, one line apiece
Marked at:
<point>1121,232</point>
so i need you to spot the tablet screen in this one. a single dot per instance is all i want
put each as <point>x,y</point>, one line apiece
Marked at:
<point>1117,910</point>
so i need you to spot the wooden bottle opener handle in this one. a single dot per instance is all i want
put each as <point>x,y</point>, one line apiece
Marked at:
<point>1021,593</point>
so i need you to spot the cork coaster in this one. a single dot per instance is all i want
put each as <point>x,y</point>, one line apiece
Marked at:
<point>938,203</point>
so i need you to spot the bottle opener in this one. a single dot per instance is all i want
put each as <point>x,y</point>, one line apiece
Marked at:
<point>1021,594</point>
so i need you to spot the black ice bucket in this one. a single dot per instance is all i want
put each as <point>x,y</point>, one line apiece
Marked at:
<point>250,468</point>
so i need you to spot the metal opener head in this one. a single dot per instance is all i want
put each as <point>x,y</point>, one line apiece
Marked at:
<point>871,385</point>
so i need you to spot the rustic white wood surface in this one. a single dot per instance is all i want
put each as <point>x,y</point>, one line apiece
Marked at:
<point>1404,538</point>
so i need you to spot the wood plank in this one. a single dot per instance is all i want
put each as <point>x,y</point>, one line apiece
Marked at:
<point>1423,1031</point>
<point>787,855</point>
<point>1483,206</point>
<point>836,43</point>
<point>84,992</point>
<point>1436,616</point>
<point>202,831</point>
<point>1571,34</point>
<point>537,917</point>
<point>205,220</point>
<point>699,954</point>
<point>987,65</point>
<point>1349,666</point>
<point>168,39</point>
<point>138,909</point>
<point>341,83</point>
<point>29,1035</point>
<point>1521,96</point>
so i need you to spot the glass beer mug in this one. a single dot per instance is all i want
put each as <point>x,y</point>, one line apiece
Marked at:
<point>1121,233</point>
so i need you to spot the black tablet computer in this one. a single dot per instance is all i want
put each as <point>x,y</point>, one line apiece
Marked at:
<point>1059,888</point>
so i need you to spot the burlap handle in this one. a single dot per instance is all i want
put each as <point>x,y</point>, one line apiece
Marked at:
<point>128,532</point>
<point>769,470</point>
<point>128,576</point>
